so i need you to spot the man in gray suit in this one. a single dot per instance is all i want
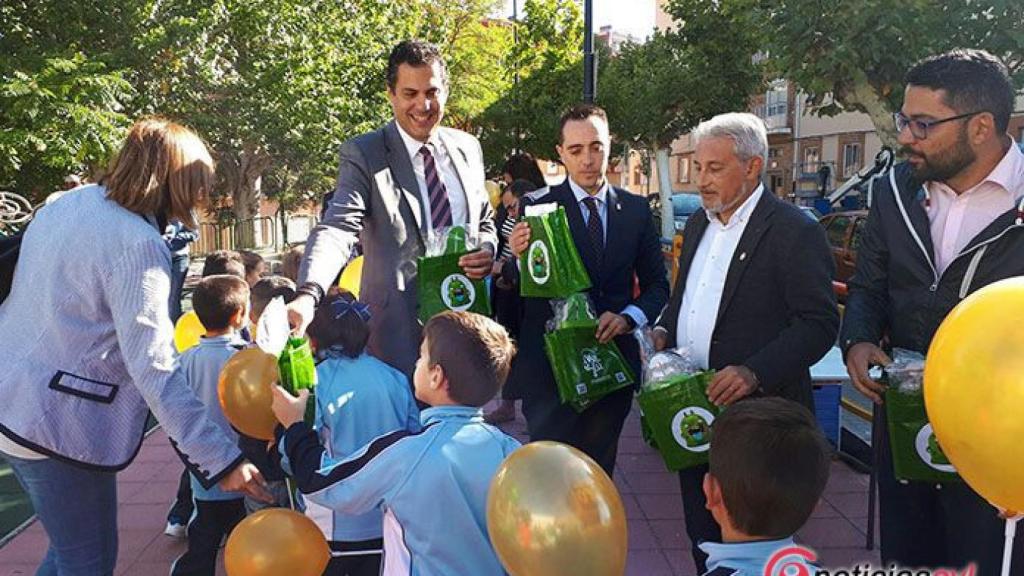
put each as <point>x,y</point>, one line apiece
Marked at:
<point>396,186</point>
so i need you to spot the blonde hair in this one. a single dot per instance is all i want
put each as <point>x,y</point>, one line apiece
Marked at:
<point>162,168</point>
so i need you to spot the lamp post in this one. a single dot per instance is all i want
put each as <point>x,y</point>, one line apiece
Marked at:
<point>589,88</point>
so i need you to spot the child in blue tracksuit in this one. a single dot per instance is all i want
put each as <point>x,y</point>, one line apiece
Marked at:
<point>430,485</point>
<point>221,302</point>
<point>358,398</point>
<point>777,443</point>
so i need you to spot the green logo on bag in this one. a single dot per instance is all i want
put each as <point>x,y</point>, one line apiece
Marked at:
<point>457,292</point>
<point>691,427</point>
<point>592,362</point>
<point>929,451</point>
<point>539,262</point>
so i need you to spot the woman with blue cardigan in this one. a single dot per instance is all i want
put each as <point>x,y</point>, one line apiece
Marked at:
<point>86,347</point>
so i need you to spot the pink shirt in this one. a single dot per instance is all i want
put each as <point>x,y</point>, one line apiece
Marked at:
<point>957,219</point>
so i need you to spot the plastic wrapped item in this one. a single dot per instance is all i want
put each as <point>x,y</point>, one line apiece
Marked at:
<point>550,267</point>
<point>675,405</point>
<point>442,285</point>
<point>585,370</point>
<point>916,454</point>
<point>298,372</point>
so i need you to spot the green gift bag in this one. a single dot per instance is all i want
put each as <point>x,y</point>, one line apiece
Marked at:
<point>551,267</point>
<point>916,454</point>
<point>585,370</point>
<point>298,371</point>
<point>441,283</point>
<point>679,415</point>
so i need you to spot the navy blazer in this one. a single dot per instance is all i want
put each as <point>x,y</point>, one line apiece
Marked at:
<point>632,250</point>
<point>778,313</point>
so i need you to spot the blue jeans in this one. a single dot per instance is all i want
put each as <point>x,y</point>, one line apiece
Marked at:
<point>78,509</point>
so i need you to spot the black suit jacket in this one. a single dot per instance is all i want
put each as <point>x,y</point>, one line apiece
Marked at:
<point>778,313</point>
<point>632,249</point>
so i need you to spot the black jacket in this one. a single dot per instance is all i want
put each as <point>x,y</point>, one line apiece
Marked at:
<point>632,249</point>
<point>896,290</point>
<point>778,313</point>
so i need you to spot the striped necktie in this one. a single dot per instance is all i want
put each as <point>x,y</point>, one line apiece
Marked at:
<point>594,225</point>
<point>440,209</point>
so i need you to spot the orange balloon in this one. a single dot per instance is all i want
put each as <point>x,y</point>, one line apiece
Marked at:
<point>245,393</point>
<point>187,331</point>
<point>551,510</point>
<point>276,541</point>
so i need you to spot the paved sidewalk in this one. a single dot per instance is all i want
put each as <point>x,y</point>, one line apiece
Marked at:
<point>657,538</point>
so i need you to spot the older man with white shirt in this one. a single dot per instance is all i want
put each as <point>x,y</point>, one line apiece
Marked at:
<point>753,298</point>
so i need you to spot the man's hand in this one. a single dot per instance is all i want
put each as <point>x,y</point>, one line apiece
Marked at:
<point>246,478</point>
<point>731,384</point>
<point>287,408</point>
<point>660,339</point>
<point>610,325</point>
<point>496,268</point>
<point>519,239</point>
<point>859,359</point>
<point>477,264</point>
<point>300,313</point>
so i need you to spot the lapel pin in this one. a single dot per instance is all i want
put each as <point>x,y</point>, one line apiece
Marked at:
<point>743,256</point>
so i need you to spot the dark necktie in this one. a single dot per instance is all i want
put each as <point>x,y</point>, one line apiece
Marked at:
<point>440,209</point>
<point>594,226</point>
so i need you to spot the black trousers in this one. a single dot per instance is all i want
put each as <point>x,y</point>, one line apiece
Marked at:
<point>181,509</point>
<point>700,524</point>
<point>357,564</point>
<point>924,525</point>
<point>213,520</point>
<point>595,432</point>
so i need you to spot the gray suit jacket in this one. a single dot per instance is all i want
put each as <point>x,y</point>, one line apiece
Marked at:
<point>377,202</point>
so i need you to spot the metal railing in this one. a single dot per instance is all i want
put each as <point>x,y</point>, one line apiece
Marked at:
<point>258,234</point>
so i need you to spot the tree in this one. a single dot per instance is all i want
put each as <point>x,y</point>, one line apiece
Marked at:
<point>852,55</point>
<point>657,91</point>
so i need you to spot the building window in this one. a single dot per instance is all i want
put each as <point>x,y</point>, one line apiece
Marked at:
<point>684,169</point>
<point>812,160</point>
<point>851,159</point>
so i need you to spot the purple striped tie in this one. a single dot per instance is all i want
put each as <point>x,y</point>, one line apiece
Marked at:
<point>440,209</point>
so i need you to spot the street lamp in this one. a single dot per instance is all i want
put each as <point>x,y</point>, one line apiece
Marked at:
<point>589,88</point>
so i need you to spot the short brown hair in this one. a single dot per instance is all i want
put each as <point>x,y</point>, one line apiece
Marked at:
<point>580,112</point>
<point>291,261</point>
<point>474,351</point>
<point>162,168</point>
<point>224,262</point>
<point>269,288</point>
<point>219,297</point>
<point>346,329</point>
<point>772,462</point>
<point>250,259</point>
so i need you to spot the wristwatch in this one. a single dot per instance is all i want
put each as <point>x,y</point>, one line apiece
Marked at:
<point>629,322</point>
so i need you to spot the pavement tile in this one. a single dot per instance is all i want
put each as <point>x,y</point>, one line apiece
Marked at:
<point>641,537</point>
<point>632,506</point>
<point>852,505</point>
<point>653,482</point>
<point>681,562</point>
<point>647,563</point>
<point>831,533</point>
<point>661,506</point>
<point>671,534</point>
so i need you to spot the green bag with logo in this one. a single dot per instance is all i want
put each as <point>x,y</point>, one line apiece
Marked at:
<point>441,283</point>
<point>298,372</point>
<point>550,267</point>
<point>916,454</point>
<point>585,370</point>
<point>675,403</point>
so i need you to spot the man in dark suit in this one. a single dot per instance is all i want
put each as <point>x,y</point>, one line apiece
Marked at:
<point>753,298</point>
<point>615,235</point>
<point>397,186</point>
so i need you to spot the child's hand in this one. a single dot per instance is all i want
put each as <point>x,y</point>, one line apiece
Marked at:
<point>287,408</point>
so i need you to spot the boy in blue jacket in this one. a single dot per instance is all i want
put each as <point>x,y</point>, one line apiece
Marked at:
<point>768,465</point>
<point>430,485</point>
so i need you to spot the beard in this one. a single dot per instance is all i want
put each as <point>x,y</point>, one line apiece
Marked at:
<point>945,164</point>
<point>716,207</point>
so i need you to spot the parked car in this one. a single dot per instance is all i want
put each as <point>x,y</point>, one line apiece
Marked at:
<point>810,212</point>
<point>683,205</point>
<point>844,232</point>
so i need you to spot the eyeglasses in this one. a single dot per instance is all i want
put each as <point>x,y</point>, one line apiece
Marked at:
<point>919,128</point>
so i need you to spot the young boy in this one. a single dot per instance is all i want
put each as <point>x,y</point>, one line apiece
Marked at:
<point>769,463</point>
<point>255,266</point>
<point>265,290</point>
<point>221,302</point>
<point>431,485</point>
<point>224,262</point>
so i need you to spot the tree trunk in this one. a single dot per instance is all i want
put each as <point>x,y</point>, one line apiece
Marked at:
<point>668,228</point>
<point>242,176</point>
<point>864,93</point>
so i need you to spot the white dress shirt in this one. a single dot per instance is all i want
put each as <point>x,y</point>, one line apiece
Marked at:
<point>632,311</point>
<point>446,171</point>
<point>705,280</point>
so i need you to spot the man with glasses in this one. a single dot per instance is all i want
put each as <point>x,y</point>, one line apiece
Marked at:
<point>945,223</point>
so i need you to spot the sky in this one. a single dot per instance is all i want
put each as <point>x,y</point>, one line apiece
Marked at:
<point>634,17</point>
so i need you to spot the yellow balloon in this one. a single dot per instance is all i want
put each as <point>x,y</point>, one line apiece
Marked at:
<point>493,193</point>
<point>244,389</point>
<point>187,331</point>
<point>276,541</point>
<point>352,276</point>
<point>974,391</point>
<point>551,510</point>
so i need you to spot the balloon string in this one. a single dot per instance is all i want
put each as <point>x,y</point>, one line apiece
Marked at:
<point>1010,532</point>
<point>291,493</point>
